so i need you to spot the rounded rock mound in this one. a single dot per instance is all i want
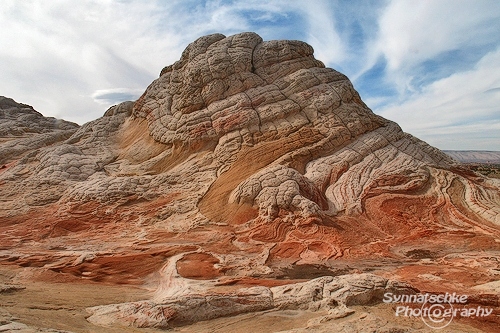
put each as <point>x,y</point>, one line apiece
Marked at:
<point>252,161</point>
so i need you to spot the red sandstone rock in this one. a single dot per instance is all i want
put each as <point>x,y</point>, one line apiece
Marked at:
<point>244,160</point>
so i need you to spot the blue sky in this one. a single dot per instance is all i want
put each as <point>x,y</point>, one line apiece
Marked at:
<point>432,66</point>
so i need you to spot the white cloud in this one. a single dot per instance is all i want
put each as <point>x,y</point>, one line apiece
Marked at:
<point>444,103</point>
<point>411,32</point>
<point>461,111</point>
<point>323,36</point>
<point>109,97</point>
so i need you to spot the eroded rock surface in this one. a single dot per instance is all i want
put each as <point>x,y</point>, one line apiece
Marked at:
<point>327,293</point>
<point>246,163</point>
<point>23,130</point>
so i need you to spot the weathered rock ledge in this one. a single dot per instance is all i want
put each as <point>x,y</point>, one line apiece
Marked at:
<point>325,293</point>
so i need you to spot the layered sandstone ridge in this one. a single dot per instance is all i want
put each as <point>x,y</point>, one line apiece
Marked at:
<point>247,162</point>
<point>334,294</point>
<point>475,156</point>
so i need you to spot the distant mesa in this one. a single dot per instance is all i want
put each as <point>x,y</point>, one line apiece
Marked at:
<point>474,156</point>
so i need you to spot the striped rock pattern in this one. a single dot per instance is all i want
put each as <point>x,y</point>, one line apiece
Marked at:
<point>248,162</point>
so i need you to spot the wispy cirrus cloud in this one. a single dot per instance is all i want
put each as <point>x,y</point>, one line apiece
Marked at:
<point>423,41</point>
<point>412,32</point>
<point>461,111</point>
<point>437,58</point>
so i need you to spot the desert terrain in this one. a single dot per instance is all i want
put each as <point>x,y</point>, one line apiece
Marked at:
<point>248,189</point>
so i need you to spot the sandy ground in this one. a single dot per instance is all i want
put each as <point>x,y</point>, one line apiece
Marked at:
<point>62,306</point>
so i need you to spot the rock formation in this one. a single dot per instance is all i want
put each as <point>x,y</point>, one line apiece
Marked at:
<point>23,130</point>
<point>475,156</point>
<point>326,292</point>
<point>246,163</point>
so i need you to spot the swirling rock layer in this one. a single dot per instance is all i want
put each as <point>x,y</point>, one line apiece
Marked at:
<point>249,163</point>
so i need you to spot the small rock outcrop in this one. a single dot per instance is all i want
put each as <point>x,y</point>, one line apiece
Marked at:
<point>23,130</point>
<point>325,293</point>
<point>20,120</point>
